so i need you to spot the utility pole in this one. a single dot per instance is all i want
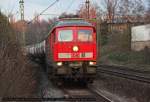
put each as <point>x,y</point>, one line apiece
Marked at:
<point>87,3</point>
<point>21,2</point>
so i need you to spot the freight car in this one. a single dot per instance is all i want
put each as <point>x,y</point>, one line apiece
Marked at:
<point>70,50</point>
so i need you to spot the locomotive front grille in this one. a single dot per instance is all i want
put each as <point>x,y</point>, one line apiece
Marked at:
<point>75,64</point>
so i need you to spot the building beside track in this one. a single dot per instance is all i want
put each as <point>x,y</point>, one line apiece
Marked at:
<point>140,37</point>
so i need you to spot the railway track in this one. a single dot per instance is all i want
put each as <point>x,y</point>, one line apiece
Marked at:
<point>124,72</point>
<point>84,95</point>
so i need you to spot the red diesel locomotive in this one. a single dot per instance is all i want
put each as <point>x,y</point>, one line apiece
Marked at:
<point>70,50</point>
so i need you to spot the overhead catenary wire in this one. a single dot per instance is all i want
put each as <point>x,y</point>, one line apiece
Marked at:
<point>49,6</point>
<point>13,7</point>
<point>44,10</point>
<point>10,9</point>
<point>71,3</point>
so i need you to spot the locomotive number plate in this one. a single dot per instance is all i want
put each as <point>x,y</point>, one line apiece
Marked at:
<point>75,55</point>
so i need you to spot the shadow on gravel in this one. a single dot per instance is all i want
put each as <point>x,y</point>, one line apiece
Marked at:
<point>46,88</point>
<point>73,84</point>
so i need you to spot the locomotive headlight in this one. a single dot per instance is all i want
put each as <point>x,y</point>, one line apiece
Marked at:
<point>75,48</point>
<point>59,63</point>
<point>92,63</point>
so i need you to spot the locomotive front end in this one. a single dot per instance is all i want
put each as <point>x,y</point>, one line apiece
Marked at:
<point>75,51</point>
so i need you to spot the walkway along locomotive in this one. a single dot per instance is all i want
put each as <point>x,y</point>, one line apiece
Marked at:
<point>70,50</point>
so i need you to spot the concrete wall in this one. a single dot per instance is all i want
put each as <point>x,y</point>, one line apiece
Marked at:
<point>139,45</point>
<point>140,37</point>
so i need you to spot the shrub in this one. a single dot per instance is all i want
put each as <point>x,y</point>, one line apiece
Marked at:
<point>17,76</point>
<point>119,56</point>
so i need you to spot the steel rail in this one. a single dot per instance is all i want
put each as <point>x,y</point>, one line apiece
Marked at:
<point>125,68</point>
<point>98,92</point>
<point>89,93</point>
<point>138,75</point>
<point>76,96</point>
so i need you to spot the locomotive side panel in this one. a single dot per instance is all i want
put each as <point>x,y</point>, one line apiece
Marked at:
<point>49,54</point>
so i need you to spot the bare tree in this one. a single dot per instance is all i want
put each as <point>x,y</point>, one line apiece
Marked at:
<point>82,12</point>
<point>131,7</point>
<point>109,8</point>
<point>37,30</point>
<point>112,8</point>
<point>148,5</point>
<point>147,15</point>
<point>17,77</point>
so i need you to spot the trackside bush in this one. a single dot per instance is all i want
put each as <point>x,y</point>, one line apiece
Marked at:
<point>119,56</point>
<point>17,76</point>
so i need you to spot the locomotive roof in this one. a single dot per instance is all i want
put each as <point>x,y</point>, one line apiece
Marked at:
<point>69,22</point>
<point>72,23</point>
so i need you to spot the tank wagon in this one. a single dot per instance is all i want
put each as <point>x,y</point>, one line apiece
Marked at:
<point>70,50</point>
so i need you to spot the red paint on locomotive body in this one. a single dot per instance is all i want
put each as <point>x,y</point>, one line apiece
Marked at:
<point>85,43</point>
<point>70,50</point>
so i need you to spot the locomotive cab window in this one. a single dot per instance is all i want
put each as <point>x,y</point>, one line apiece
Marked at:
<point>85,35</point>
<point>65,35</point>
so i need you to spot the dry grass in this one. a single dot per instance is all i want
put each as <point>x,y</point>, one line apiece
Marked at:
<point>17,75</point>
<point>117,51</point>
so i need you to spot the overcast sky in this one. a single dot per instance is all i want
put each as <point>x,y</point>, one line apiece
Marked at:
<point>32,6</point>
